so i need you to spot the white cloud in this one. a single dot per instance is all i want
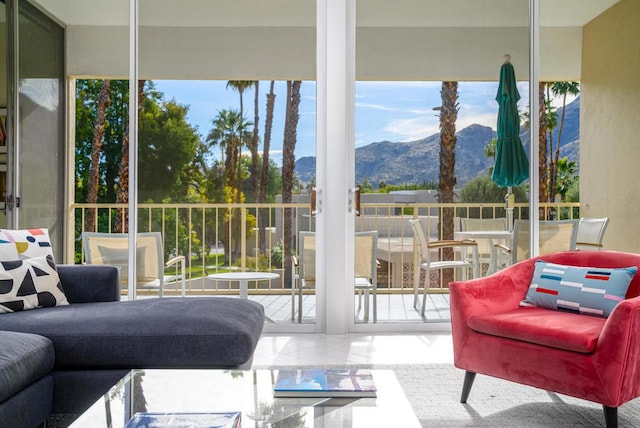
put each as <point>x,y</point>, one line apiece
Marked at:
<point>412,129</point>
<point>375,107</point>
<point>486,119</point>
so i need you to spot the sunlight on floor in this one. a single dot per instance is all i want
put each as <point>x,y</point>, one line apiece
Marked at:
<point>362,349</point>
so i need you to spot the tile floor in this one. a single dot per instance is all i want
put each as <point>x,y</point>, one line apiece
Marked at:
<point>353,349</point>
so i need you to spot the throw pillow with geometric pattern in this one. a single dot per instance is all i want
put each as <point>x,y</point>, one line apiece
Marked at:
<point>582,290</point>
<point>24,244</point>
<point>30,284</point>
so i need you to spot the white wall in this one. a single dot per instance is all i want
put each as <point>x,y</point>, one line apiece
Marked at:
<point>248,53</point>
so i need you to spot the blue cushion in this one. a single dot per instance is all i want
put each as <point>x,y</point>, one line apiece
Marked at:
<point>24,358</point>
<point>584,290</point>
<point>172,332</point>
<point>29,407</point>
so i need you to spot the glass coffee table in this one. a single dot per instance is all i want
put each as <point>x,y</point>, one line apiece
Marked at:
<point>249,392</point>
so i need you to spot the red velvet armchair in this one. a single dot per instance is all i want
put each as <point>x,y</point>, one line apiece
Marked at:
<point>588,357</point>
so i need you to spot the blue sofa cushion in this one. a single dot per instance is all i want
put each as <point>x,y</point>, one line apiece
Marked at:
<point>148,333</point>
<point>24,358</point>
<point>90,283</point>
<point>30,407</point>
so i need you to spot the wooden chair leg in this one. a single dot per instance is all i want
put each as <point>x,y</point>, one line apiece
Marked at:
<point>469,377</point>
<point>610,416</point>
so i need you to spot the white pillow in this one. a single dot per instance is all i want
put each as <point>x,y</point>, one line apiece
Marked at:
<point>30,284</point>
<point>24,244</point>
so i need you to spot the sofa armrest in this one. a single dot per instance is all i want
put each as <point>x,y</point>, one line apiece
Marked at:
<point>90,283</point>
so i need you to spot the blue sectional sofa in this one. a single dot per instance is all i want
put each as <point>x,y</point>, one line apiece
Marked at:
<point>57,361</point>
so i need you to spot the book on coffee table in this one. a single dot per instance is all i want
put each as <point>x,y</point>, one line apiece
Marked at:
<point>324,383</point>
<point>183,420</point>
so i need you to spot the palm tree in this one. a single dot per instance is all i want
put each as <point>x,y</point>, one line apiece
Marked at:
<point>447,180</point>
<point>122,195</point>
<point>566,176</point>
<point>264,173</point>
<point>228,132</point>
<point>253,145</point>
<point>543,171</point>
<point>104,100</point>
<point>240,86</point>
<point>288,168</point>
<point>563,89</point>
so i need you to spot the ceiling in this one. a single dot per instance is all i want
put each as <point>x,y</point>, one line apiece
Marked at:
<point>301,13</point>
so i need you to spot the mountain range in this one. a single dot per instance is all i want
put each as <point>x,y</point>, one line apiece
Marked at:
<point>418,161</point>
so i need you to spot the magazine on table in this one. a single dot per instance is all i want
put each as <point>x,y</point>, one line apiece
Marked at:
<point>185,420</point>
<point>324,383</point>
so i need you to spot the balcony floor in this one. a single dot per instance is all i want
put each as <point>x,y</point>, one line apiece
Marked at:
<point>391,308</point>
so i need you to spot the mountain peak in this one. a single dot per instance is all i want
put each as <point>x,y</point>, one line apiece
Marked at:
<point>418,161</point>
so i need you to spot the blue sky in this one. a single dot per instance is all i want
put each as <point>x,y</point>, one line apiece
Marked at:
<point>393,111</point>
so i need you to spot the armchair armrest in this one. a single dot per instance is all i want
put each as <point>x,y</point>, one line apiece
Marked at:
<point>617,355</point>
<point>174,261</point>
<point>499,292</point>
<point>90,283</point>
<point>589,245</point>
<point>503,248</point>
<point>452,243</point>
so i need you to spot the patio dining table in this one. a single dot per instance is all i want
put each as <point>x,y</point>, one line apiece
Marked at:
<point>398,252</point>
<point>493,236</point>
<point>243,279</point>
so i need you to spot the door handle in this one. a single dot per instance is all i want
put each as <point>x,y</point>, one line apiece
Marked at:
<point>316,202</point>
<point>354,200</point>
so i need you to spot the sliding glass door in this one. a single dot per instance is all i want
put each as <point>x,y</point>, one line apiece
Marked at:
<point>426,82</point>
<point>36,112</point>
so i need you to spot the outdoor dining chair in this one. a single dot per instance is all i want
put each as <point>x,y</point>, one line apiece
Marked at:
<point>304,268</point>
<point>554,236</point>
<point>366,271</point>
<point>113,249</point>
<point>590,233</point>
<point>428,263</point>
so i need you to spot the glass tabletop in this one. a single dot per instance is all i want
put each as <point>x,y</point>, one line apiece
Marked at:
<point>249,393</point>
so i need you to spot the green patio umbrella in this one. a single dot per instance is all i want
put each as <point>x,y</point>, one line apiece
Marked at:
<point>512,165</point>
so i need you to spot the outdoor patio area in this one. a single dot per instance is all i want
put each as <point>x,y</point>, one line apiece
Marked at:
<point>391,308</point>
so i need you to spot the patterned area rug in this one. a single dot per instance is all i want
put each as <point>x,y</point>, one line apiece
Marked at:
<point>434,393</point>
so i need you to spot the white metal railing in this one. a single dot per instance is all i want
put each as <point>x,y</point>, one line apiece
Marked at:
<point>254,233</point>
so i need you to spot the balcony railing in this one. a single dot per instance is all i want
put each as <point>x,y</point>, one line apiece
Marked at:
<point>223,237</point>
